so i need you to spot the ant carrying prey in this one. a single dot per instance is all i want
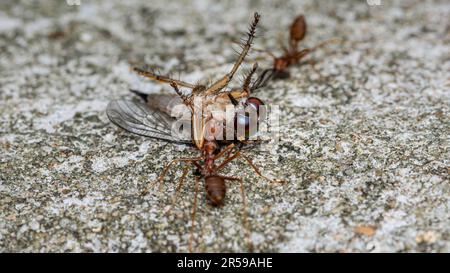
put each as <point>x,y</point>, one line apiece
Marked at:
<point>153,119</point>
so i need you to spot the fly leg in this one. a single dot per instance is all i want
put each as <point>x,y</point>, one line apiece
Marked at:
<point>220,84</point>
<point>161,78</point>
<point>248,79</point>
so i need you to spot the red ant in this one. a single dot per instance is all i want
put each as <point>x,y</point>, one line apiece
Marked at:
<point>291,54</point>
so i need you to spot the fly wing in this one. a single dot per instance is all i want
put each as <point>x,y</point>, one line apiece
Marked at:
<point>170,104</point>
<point>166,103</point>
<point>141,119</point>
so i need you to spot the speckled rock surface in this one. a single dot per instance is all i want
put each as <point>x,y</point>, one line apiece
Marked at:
<point>365,131</point>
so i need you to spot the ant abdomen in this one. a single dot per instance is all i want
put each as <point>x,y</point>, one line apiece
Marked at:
<point>215,189</point>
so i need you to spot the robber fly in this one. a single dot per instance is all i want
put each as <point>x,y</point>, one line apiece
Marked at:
<point>292,54</point>
<point>152,118</point>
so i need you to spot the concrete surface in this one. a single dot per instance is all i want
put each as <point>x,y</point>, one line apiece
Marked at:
<point>365,132</point>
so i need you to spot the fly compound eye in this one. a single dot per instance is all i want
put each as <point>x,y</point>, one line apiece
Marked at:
<point>246,120</point>
<point>254,102</point>
<point>257,105</point>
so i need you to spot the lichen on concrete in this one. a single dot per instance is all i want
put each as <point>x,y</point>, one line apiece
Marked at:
<point>364,142</point>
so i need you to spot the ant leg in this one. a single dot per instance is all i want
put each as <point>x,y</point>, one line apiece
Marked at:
<point>178,189</point>
<point>244,212</point>
<point>280,39</point>
<point>227,149</point>
<point>220,84</point>
<point>228,153</point>
<point>302,53</point>
<point>166,169</point>
<point>265,51</point>
<point>161,78</point>
<point>226,161</point>
<point>256,169</point>
<point>255,141</point>
<point>313,63</point>
<point>194,210</point>
<point>326,42</point>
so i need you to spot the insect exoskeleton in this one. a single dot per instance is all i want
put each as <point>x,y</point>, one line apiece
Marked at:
<point>292,53</point>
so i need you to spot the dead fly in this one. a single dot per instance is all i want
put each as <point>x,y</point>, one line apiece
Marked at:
<point>154,119</point>
<point>292,54</point>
